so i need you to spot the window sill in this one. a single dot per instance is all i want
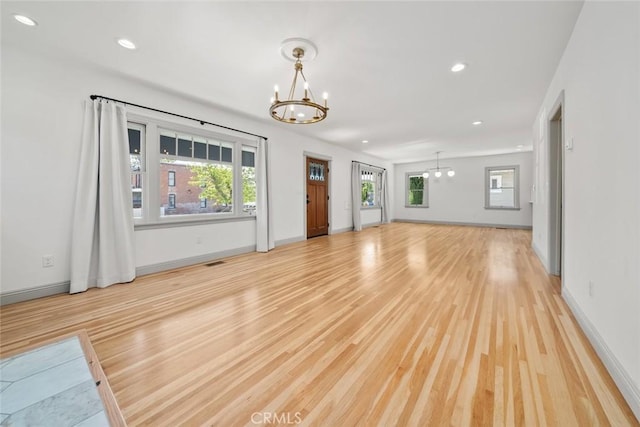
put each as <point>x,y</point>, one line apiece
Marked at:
<point>365,208</point>
<point>190,222</point>
<point>416,206</point>
<point>498,208</point>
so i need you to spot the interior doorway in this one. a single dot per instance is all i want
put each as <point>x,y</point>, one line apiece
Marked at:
<point>317,199</point>
<point>556,189</point>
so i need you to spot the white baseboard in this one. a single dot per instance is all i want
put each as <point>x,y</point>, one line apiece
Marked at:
<point>63,287</point>
<point>466,224</point>
<point>542,259</point>
<point>371,224</point>
<point>290,240</point>
<point>620,376</point>
<point>33,293</point>
<point>185,262</point>
<point>341,230</point>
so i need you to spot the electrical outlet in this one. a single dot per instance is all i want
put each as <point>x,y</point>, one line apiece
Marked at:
<point>47,261</point>
<point>591,288</point>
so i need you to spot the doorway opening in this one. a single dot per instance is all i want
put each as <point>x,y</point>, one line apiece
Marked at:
<point>556,189</point>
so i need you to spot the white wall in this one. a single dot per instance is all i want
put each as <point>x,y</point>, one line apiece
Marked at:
<point>600,73</point>
<point>42,99</point>
<point>461,198</point>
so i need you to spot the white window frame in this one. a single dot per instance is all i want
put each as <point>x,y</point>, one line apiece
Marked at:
<point>488,189</point>
<point>150,153</point>
<point>425,191</point>
<point>377,184</point>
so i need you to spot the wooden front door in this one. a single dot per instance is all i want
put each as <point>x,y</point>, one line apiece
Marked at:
<point>317,197</point>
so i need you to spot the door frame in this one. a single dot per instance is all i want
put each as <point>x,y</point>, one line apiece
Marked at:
<point>329,160</point>
<point>556,163</point>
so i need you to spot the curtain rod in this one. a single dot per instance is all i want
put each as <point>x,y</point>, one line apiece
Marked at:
<point>202,122</point>
<point>367,164</point>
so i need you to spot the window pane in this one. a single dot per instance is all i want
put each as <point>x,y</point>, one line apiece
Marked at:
<point>214,152</point>
<point>199,149</point>
<point>248,158</point>
<point>134,141</point>
<point>368,194</point>
<point>227,154</point>
<point>168,145</point>
<point>415,197</point>
<point>504,198</point>
<point>248,180</point>
<point>136,194</point>
<point>416,183</point>
<point>184,147</point>
<point>195,181</point>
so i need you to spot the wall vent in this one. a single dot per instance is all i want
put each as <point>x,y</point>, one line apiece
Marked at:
<point>214,263</point>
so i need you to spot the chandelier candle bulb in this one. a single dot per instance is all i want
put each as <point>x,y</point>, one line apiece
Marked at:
<point>275,88</point>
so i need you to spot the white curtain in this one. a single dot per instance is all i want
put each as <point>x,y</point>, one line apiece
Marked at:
<point>356,195</point>
<point>384,197</point>
<point>102,241</point>
<point>264,217</point>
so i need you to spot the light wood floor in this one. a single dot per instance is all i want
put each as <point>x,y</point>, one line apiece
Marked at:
<point>403,324</point>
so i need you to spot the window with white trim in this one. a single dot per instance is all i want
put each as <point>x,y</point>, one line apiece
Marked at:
<point>417,190</point>
<point>136,158</point>
<point>502,187</point>
<point>181,173</point>
<point>370,182</point>
<point>248,179</point>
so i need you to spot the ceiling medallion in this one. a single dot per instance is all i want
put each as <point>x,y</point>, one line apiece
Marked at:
<point>304,109</point>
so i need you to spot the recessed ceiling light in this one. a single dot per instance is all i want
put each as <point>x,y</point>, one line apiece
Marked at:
<point>127,44</point>
<point>300,114</point>
<point>364,141</point>
<point>458,67</point>
<point>520,146</point>
<point>25,20</point>
<point>477,122</point>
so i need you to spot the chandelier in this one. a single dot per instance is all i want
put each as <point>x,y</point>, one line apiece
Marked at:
<point>304,109</point>
<point>438,169</point>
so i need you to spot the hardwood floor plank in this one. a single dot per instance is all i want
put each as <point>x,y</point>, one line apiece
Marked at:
<point>402,324</point>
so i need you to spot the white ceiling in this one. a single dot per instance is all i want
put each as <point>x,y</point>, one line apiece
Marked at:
<point>386,65</point>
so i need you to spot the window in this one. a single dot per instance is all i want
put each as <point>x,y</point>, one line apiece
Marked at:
<point>202,168</point>
<point>502,187</point>
<point>416,190</point>
<point>248,179</point>
<point>184,173</point>
<point>136,135</point>
<point>370,183</point>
